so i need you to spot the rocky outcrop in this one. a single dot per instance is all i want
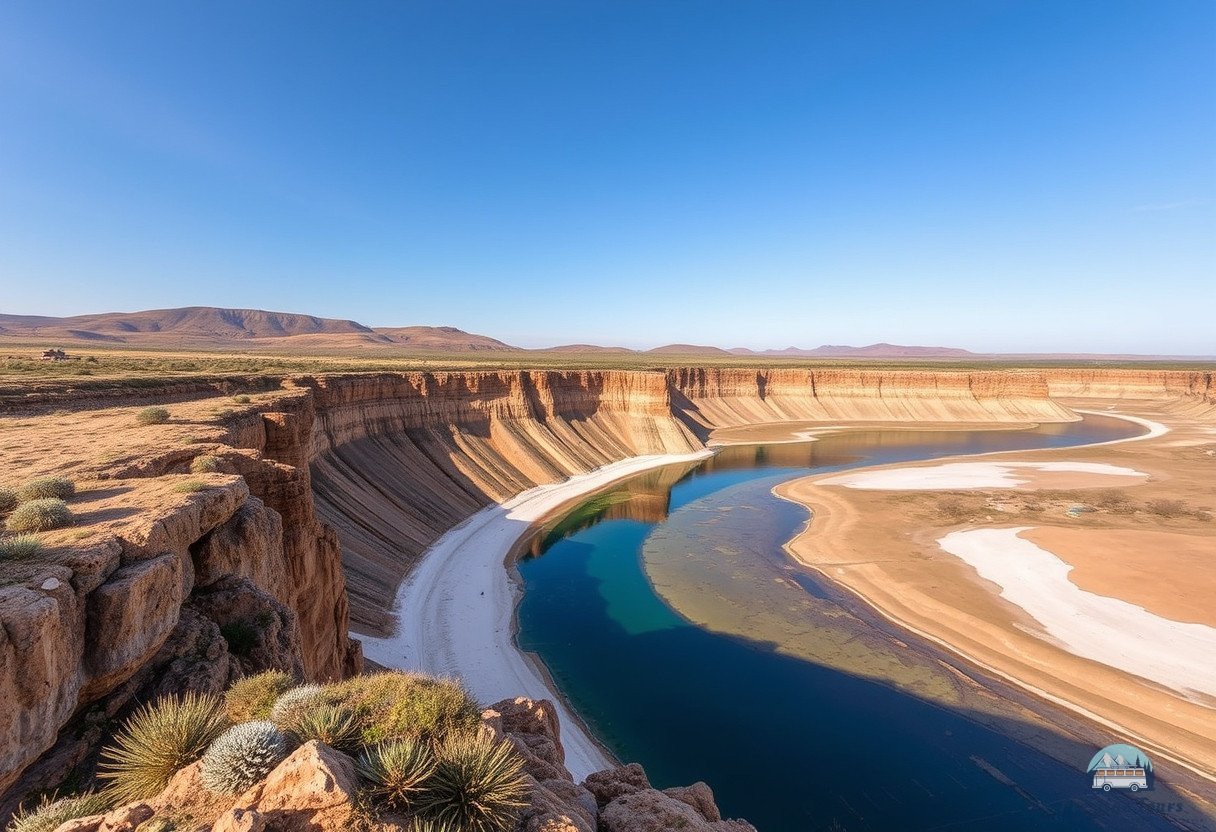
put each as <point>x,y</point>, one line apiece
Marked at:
<point>315,790</point>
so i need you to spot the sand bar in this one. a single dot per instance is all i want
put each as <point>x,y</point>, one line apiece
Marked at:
<point>1109,630</point>
<point>455,612</point>
<point>966,475</point>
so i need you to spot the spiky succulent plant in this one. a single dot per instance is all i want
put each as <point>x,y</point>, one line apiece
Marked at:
<point>243,755</point>
<point>397,771</point>
<point>478,784</point>
<point>157,740</point>
<point>50,813</point>
<point>288,707</point>
<point>334,725</point>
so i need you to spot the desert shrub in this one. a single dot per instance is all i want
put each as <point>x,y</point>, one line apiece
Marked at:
<point>241,399</point>
<point>50,813</point>
<point>152,416</point>
<point>205,464</point>
<point>157,741</point>
<point>190,487</point>
<point>1166,508</point>
<point>47,488</point>
<point>952,507</point>
<point>39,516</point>
<point>19,546</point>
<point>397,771</point>
<point>395,705</point>
<point>1111,499</point>
<point>333,725</point>
<point>243,755</point>
<point>295,702</point>
<point>241,635</point>
<point>252,698</point>
<point>478,784</point>
<point>8,500</point>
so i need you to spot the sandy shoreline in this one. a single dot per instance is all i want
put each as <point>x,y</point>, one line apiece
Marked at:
<point>885,550</point>
<point>455,612</point>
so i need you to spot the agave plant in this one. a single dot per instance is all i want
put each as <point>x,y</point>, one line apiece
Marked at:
<point>51,812</point>
<point>243,755</point>
<point>478,784</point>
<point>333,725</point>
<point>156,741</point>
<point>397,771</point>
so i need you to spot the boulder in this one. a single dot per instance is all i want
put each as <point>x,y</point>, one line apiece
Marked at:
<point>313,790</point>
<point>699,796</point>
<point>650,810</point>
<point>611,783</point>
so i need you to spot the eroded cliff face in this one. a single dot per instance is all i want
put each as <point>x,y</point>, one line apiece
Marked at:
<point>729,397</point>
<point>398,460</point>
<point>1187,386</point>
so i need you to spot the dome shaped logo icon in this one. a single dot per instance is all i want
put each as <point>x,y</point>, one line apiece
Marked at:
<point>1120,766</point>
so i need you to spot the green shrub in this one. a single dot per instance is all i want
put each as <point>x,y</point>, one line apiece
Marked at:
<point>294,702</point>
<point>205,464</point>
<point>20,546</point>
<point>46,488</point>
<point>242,756</point>
<point>478,784</point>
<point>190,487</point>
<point>397,771</point>
<point>252,698</point>
<point>242,399</point>
<point>152,416</point>
<point>157,741</point>
<point>50,813</point>
<point>395,705</point>
<point>39,516</point>
<point>334,725</point>
<point>8,500</point>
<point>241,636</point>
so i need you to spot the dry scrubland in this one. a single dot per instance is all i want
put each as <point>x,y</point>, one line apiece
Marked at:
<point>222,505</point>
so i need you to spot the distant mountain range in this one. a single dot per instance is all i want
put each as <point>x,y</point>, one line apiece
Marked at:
<point>201,327</point>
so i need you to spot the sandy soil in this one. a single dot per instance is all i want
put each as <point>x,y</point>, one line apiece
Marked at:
<point>1169,574</point>
<point>455,613</point>
<point>883,545</point>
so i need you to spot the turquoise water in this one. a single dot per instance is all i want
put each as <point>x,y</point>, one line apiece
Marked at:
<point>787,743</point>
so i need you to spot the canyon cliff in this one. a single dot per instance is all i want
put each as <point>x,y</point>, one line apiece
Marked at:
<point>330,487</point>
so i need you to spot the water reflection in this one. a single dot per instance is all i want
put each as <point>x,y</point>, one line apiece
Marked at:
<point>801,683</point>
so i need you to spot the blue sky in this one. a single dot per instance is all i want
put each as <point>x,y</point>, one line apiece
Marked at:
<point>1001,176</point>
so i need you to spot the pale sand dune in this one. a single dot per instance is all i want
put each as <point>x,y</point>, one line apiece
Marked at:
<point>1108,630</point>
<point>964,475</point>
<point>455,613</point>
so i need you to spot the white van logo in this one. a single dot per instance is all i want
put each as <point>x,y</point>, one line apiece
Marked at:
<point>1120,766</point>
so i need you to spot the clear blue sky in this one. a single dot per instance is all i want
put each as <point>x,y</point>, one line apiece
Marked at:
<point>1003,176</point>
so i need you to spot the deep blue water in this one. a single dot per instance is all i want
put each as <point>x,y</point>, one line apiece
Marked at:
<point>786,743</point>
